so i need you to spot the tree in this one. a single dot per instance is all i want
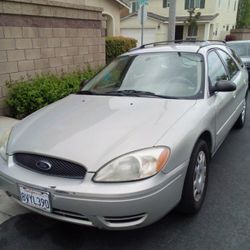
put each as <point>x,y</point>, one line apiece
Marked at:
<point>243,16</point>
<point>192,22</point>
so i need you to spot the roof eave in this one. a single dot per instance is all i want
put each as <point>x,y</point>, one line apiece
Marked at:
<point>123,4</point>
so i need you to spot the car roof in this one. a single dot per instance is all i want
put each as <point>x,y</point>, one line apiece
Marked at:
<point>173,46</point>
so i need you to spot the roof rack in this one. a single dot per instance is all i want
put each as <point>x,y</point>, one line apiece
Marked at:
<point>205,43</point>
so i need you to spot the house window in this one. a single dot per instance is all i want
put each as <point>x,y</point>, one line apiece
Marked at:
<point>135,6</point>
<point>166,3</point>
<point>191,4</point>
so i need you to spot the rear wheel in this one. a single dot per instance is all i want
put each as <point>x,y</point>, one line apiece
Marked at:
<point>242,118</point>
<point>196,180</point>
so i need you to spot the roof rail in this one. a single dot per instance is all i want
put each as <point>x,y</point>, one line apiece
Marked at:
<point>205,43</point>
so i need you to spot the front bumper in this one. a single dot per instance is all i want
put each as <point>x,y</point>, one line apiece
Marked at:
<point>107,206</point>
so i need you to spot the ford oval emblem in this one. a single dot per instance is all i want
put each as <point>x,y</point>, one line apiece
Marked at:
<point>44,165</point>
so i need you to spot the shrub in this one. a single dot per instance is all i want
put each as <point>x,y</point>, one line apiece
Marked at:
<point>27,96</point>
<point>116,46</point>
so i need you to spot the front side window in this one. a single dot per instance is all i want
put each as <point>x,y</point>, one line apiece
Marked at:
<point>236,57</point>
<point>168,75</point>
<point>230,63</point>
<point>192,4</point>
<point>216,69</point>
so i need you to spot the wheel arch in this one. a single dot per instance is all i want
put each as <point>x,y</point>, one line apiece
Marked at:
<point>207,137</point>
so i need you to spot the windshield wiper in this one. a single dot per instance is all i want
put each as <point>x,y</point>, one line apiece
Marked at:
<point>137,93</point>
<point>126,92</point>
<point>86,92</point>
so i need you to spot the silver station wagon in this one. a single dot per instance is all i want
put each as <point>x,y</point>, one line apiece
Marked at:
<point>133,143</point>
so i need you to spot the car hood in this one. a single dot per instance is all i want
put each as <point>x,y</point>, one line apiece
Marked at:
<point>93,130</point>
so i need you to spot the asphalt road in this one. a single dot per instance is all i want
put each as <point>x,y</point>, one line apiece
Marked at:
<point>223,222</point>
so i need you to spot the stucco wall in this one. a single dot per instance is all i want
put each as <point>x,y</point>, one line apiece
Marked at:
<point>110,7</point>
<point>227,18</point>
<point>222,24</point>
<point>39,38</point>
<point>156,7</point>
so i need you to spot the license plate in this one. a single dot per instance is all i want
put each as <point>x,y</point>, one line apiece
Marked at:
<point>35,198</point>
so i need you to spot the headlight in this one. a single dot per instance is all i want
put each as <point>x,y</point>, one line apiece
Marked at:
<point>3,144</point>
<point>134,166</point>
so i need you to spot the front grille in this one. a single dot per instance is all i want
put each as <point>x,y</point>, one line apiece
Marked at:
<point>56,167</point>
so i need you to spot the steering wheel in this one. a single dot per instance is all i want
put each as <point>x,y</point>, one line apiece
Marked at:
<point>179,86</point>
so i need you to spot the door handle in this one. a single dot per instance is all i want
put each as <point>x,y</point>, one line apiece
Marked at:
<point>234,96</point>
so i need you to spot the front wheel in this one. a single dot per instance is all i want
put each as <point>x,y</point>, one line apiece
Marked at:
<point>242,118</point>
<point>196,180</point>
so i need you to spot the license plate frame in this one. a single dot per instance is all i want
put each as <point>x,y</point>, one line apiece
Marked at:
<point>35,198</point>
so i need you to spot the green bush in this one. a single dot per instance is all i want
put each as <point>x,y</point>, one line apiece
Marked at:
<point>116,46</point>
<point>26,96</point>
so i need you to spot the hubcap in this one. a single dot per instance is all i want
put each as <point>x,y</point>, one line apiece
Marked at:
<point>243,113</point>
<point>200,176</point>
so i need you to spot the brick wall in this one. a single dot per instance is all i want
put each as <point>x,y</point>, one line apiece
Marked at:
<point>38,36</point>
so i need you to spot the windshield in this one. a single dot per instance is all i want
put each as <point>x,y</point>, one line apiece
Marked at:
<point>166,75</point>
<point>241,49</point>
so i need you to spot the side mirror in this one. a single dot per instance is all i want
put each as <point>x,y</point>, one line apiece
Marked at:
<point>224,86</point>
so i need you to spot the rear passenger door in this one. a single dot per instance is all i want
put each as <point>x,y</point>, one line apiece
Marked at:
<point>222,101</point>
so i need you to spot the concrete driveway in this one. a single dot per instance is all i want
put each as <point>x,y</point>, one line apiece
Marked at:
<point>9,208</point>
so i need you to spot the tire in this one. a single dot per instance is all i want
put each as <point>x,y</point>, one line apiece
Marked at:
<point>195,185</point>
<point>242,118</point>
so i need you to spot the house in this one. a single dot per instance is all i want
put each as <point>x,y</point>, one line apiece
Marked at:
<point>111,11</point>
<point>217,18</point>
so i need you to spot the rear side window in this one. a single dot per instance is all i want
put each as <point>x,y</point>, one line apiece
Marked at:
<point>230,63</point>
<point>216,69</point>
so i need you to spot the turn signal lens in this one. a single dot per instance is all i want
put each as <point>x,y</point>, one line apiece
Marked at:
<point>162,160</point>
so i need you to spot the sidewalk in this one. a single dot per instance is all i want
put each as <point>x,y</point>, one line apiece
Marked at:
<point>9,208</point>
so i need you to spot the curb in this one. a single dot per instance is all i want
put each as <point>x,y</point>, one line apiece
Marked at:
<point>9,208</point>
